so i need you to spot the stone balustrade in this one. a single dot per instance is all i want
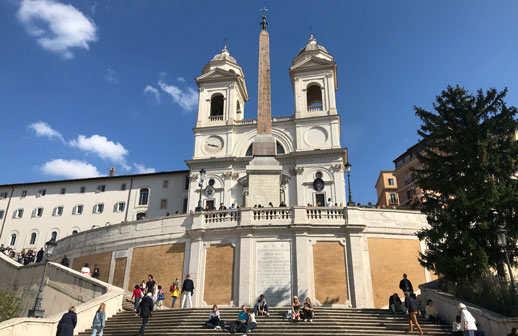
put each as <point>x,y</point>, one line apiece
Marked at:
<point>316,108</point>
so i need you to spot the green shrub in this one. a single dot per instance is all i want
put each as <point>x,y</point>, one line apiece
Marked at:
<point>9,305</point>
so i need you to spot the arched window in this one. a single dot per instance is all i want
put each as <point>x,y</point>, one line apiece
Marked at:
<point>216,105</point>
<point>53,236</point>
<point>249,151</point>
<point>75,232</point>
<point>143,196</point>
<point>314,97</point>
<point>238,107</point>
<point>33,238</point>
<point>13,239</point>
<point>280,149</point>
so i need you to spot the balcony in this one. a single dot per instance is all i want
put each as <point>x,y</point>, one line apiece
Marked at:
<point>216,118</point>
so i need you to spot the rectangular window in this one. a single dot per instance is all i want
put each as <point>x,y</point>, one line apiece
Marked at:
<point>163,204</point>
<point>119,207</point>
<point>165,184</point>
<point>101,188</point>
<point>78,210</point>
<point>18,213</point>
<point>41,192</point>
<point>83,189</point>
<point>24,193</point>
<point>2,213</point>
<point>187,181</point>
<point>393,198</point>
<point>99,208</point>
<point>123,186</point>
<point>320,199</point>
<point>209,204</point>
<point>58,211</point>
<point>391,181</point>
<point>63,191</point>
<point>39,212</point>
<point>3,195</point>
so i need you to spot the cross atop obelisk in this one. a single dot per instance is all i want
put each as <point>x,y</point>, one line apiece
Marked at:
<point>264,104</point>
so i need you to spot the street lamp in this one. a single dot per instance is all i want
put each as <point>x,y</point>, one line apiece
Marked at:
<point>202,178</point>
<point>37,310</point>
<point>348,171</point>
<point>502,242</point>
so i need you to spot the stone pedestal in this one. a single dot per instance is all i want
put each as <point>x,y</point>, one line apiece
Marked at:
<point>264,181</point>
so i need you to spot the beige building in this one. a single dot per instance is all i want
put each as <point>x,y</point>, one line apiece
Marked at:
<point>386,189</point>
<point>407,190</point>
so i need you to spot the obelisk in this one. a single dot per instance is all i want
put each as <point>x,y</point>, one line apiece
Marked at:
<point>264,171</point>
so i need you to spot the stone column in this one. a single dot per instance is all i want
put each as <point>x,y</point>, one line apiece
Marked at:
<point>264,104</point>
<point>304,265</point>
<point>246,275</point>
<point>195,269</point>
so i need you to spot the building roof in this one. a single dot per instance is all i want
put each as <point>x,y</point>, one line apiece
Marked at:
<point>312,45</point>
<point>96,178</point>
<point>409,150</point>
<point>224,55</point>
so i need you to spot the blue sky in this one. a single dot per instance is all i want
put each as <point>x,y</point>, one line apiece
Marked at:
<point>86,85</point>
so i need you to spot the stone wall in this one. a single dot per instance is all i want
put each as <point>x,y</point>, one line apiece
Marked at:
<point>330,274</point>
<point>119,272</point>
<point>164,262</point>
<point>389,259</point>
<point>103,260</point>
<point>219,275</point>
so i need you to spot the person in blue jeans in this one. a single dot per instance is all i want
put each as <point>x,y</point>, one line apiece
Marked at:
<point>251,322</point>
<point>261,307</point>
<point>99,321</point>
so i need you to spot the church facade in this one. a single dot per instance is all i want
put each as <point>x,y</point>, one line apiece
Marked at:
<point>307,243</point>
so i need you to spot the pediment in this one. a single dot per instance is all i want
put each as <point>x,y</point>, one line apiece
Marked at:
<point>310,62</point>
<point>217,73</point>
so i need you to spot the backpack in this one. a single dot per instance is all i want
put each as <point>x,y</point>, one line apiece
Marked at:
<point>172,288</point>
<point>232,328</point>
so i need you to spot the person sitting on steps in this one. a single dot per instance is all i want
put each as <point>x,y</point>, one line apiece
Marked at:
<point>242,319</point>
<point>214,318</point>
<point>307,311</point>
<point>395,304</point>
<point>251,323</point>
<point>261,307</point>
<point>295,309</point>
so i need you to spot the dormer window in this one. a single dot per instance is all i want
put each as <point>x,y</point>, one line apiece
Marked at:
<point>314,98</point>
<point>216,107</point>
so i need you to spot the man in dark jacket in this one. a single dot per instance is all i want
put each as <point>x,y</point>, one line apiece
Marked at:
<point>39,256</point>
<point>64,261</point>
<point>412,309</point>
<point>395,304</point>
<point>145,308</point>
<point>405,285</point>
<point>187,290</point>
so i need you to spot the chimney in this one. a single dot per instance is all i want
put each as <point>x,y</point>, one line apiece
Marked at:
<point>112,171</point>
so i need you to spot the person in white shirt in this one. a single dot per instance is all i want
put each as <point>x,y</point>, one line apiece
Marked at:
<point>251,322</point>
<point>329,203</point>
<point>467,321</point>
<point>85,270</point>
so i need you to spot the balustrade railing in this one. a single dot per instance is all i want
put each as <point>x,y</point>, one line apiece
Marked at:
<point>272,214</point>
<point>225,216</point>
<point>246,122</point>
<point>327,213</point>
<point>283,118</point>
<point>316,108</point>
<point>216,118</point>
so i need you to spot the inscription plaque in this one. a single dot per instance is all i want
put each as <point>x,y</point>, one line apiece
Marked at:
<point>273,272</point>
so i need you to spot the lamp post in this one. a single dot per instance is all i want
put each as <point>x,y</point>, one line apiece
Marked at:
<point>37,310</point>
<point>348,171</point>
<point>202,178</point>
<point>502,242</point>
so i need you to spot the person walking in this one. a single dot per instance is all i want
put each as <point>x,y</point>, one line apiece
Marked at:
<point>187,290</point>
<point>405,285</point>
<point>155,294</point>
<point>467,321</point>
<point>85,270</point>
<point>145,309</point>
<point>99,321</point>
<point>150,284</point>
<point>412,310</point>
<point>175,291</point>
<point>160,298</point>
<point>137,294</point>
<point>67,323</point>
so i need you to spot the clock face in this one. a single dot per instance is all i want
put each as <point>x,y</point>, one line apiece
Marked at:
<point>213,145</point>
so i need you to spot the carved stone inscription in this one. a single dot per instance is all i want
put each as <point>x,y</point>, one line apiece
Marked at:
<point>274,272</point>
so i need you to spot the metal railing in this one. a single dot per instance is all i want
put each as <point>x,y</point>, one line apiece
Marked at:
<point>487,291</point>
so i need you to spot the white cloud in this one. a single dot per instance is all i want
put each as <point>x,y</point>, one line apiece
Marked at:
<point>187,99</point>
<point>103,147</point>
<point>152,91</point>
<point>180,79</point>
<point>141,169</point>
<point>56,26</point>
<point>70,169</point>
<point>43,129</point>
<point>93,7</point>
<point>111,76</point>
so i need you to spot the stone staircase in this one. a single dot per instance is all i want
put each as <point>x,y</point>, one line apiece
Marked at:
<point>327,321</point>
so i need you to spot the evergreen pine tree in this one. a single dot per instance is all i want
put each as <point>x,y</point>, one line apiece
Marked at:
<point>468,170</point>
